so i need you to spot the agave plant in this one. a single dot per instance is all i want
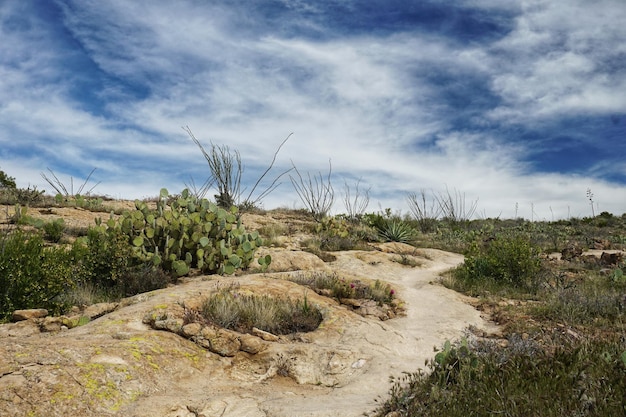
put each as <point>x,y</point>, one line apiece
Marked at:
<point>396,231</point>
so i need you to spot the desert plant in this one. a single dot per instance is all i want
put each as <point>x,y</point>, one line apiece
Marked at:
<point>424,212</point>
<point>504,260</point>
<point>235,310</point>
<point>355,204</point>
<point>454,207</point>
<point>6,182</point>
<point>584,378</point>
<point>331,284</point>
<point>184,232</point>
<point>407,260</point>
<point>32,275</point>
<point>396,230</point>
<point>597,301</point>
<point>53,230</point>
<point>29,196</point>
<point>316,193</point>
<point>226,171</point>
<point>63,190</point>
<point>590,198</point>
<point>105,257</point>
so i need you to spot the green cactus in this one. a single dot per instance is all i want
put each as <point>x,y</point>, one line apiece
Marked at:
<point>184,232</point>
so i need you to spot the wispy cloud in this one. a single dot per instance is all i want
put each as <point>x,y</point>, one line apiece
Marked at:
<point>509,102</point>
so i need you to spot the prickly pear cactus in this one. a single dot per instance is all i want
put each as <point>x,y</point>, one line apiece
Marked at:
<point>185,232</point>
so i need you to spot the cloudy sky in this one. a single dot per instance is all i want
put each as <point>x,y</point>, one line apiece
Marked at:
<point>518,104</point>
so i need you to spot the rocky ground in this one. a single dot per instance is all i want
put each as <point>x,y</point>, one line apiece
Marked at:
<point>119,364</point>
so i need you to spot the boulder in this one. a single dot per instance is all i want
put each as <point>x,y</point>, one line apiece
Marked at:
<point>251,344</point>
<point>221,341</point>
<point>611,259</point>
<point>33,313</point>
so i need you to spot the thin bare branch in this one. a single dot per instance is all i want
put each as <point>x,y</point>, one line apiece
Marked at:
<point>315,192</point>
<point>424,211</point>
<point>273,185</point>
<point>355,206</point>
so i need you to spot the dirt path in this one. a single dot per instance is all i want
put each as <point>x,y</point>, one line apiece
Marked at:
<point>118,366</point>
<point>434,314</point>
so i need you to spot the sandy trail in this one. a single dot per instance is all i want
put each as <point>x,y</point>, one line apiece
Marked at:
<point>388,348</point>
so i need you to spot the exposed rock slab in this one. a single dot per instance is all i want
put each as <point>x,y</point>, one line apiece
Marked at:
<point>116,365</point>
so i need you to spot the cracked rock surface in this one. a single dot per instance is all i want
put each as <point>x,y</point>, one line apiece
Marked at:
<point>117,365</point>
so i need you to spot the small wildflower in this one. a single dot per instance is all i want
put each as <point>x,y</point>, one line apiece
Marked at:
<point>352,285</point>
<point>392,292</point>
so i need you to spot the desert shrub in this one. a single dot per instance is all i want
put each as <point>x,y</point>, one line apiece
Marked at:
<point>106,257</point>
<point>6,181</point>
<point>143,278</point>
<point>86,293</point>
<point>314,246</point>
<point>596,301</point>
<point>272,233</point>
<point>231,309</point>
<point>506,260</point>
<point>333,285</point>
<point>338,234</point>
<point>24,196</point>
<point>108,266</point>
<point>585,378</point>
<point>53,230</point>
<point>32,275</point>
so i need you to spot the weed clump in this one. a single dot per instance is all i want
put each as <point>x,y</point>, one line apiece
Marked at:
<point>242,312</point>
<point>330,284</point>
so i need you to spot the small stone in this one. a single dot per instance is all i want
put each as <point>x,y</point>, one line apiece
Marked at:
<point>223,342</point>
<point>171,325</point>
<point>267,336</point>
<point>213,409</point>
<point>352,302</point>
<point>98,310</point>
<point>191,329</point>
<point>51,324</point>
<point>359,364</point>
<point>33,313</point>
<point>251,344</point>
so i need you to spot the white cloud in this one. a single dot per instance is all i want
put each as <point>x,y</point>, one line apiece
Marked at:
<point>560,60</point>
<point>365,102</point>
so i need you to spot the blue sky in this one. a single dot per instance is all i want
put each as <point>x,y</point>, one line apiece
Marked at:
<point>520,105</point>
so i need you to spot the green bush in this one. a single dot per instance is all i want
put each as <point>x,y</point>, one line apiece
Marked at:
<point>106,257</point>
<point>32,275</point>
<point>53,231</point>
<point>108,265</point>
<point>390,228</point>
<point>509,261</point>
<point>583,379</point>
<point>6,181</point>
